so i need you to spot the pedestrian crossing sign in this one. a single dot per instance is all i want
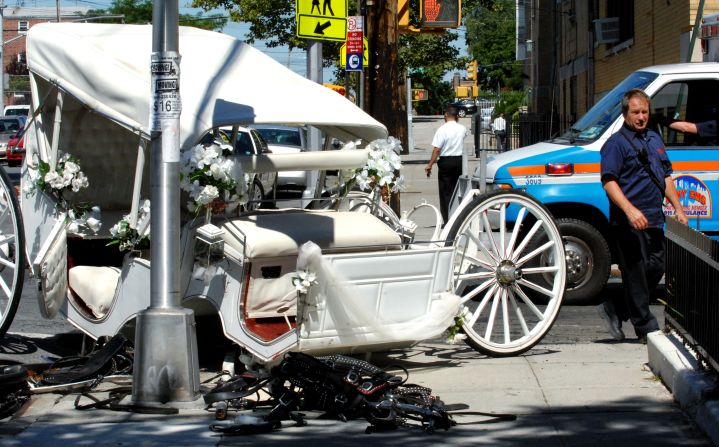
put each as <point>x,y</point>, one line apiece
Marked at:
<point>321,19</point>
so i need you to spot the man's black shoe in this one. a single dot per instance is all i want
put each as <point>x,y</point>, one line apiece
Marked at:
<point>611,321</point>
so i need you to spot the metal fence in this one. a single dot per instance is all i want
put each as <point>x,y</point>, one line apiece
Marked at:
<point>692,280</point>
<point>528,129</point>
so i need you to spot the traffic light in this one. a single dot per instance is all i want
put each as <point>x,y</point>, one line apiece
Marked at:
<point>472,71</point>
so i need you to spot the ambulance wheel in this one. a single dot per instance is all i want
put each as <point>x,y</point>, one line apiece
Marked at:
<point>495,271</point>
<point>588,260</point>
<point>12,252</point>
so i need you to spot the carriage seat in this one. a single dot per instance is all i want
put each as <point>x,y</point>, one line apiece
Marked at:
<point>272,233</point>
<point>95,286</point>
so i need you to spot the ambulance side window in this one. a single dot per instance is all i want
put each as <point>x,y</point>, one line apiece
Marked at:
<point>695,101</point>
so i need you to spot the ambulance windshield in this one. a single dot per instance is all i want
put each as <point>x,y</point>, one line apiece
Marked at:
<point>593,124</point>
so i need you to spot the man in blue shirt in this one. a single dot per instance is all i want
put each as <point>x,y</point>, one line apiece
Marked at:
<point>636,175</point>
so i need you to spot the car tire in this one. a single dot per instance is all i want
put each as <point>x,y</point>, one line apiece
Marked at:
<point>255,193</point>
<point>588,260</point>
<point>462,113</point>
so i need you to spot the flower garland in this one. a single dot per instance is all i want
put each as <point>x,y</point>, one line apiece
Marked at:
<point>126,235</point>
<point>66,177</point>
<point>211,177</point>
<point>381,168</point>
<point>303,281</point>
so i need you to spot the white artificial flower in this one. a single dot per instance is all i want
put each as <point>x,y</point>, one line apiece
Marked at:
<point>71,167</point>
<point>73,227</point>
<point>93,224</point>
<point>207,195</point>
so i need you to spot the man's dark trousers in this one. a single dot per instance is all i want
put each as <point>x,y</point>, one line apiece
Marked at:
<point>448,171</point>
<point>640,255</point>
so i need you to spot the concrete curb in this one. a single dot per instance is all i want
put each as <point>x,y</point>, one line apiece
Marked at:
<point>681,373</point>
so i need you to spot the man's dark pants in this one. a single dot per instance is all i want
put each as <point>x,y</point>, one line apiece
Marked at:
<point>448,171</point>
<point>640,255</point>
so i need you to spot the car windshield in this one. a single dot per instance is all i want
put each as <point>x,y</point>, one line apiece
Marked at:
<point>285,137</point>
<point>593,124</point>
<point>9,126</point>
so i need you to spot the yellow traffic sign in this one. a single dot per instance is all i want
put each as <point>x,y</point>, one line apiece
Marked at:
<point>321,19</point>
<point>365,52</point>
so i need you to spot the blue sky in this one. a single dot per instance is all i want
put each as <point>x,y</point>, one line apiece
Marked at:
<point>295,60</point>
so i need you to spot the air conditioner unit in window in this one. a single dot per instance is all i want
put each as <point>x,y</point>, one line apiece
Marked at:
<point>606,30</point>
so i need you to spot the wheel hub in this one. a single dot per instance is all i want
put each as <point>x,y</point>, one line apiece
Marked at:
<point>508,273</point>
<point>576,265</point>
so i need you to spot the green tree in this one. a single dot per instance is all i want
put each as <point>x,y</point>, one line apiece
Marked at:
<point>490,36</point>
<point>428,57</point>
<point>140,11</point>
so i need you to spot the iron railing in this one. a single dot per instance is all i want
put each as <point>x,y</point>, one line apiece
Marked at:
<point>692,279</point>
<point>530,128</point>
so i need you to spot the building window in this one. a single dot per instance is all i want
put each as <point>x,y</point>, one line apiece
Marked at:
<point>22,26</point>
<point>624,10</point>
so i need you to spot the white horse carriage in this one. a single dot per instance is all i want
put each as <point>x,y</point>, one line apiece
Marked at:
<point>498,264</point>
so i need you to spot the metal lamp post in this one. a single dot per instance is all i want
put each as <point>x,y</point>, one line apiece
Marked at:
<point>166,366</point>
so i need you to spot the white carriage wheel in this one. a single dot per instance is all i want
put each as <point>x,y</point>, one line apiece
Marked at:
<point>502,274</point>
<point>12,252</point>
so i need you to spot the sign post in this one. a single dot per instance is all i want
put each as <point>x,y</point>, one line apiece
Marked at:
<point>354,46</point>
<point>166,366</point>
<point>325,22</point>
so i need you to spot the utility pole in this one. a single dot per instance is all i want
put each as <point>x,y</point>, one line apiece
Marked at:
<point>383,95</point>
<point>166,365</point>
<point>2,57</point>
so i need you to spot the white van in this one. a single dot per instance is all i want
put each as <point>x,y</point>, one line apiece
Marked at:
<point>17,110</point>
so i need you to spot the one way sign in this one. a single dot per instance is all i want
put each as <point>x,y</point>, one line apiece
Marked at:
<point>321,19</point>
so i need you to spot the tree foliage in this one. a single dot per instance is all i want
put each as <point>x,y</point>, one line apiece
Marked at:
<point>140,11</point>
<point>428,57</point>
<point>490,36</point>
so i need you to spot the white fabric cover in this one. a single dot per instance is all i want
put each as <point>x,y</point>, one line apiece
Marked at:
<point>281,232</point>
<point>95,286</point>
<point>222,81</point>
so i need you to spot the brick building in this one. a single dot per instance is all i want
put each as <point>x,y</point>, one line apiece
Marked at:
<point>16,22</point>
<point>582,49</point>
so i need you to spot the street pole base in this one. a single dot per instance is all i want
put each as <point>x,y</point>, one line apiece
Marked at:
<point>166,367</point>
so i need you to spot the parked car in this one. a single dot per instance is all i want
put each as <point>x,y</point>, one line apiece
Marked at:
<point>486,117</point>
<point>17,110</point>
<point>286,140</point>
<point>465,107</point>
<point>9,126</point>
<point>15,151</point>
<point>249,142</point>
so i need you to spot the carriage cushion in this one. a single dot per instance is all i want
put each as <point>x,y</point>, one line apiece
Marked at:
<point>95,286</point>
<point>281,232</point>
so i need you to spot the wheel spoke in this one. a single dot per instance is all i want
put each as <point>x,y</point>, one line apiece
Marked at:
<point>502,229</point>
<point>505,316</point>
<point>481,262</point>
<point>536,287</point>
<point>482,304</point>
<point>477,290</point>
<point>488,232</point>
<point>5,288</point>
<point>526,240</point>
<point>518,312</point>
<point>534,253</point>
<point>481,245</point>
<point>492,315</point>
<point>6,239</point>
<point>515,231</point>
<point>7,263</point>
<point>523,296</point>
<point>548,269</point>
<point>478,275</point>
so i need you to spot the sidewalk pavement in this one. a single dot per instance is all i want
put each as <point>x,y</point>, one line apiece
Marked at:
<point>592,394</point>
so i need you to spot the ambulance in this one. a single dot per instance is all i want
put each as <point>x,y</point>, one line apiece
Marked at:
<point>563,172</point>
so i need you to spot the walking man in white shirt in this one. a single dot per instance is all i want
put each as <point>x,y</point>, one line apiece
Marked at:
<point>499,126</point>
<point>447,150</point>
